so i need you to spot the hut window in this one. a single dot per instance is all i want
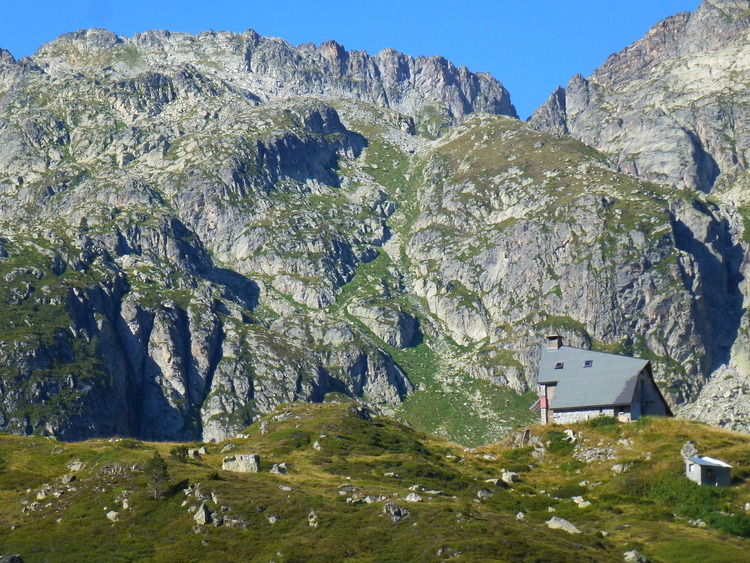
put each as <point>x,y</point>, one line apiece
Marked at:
<point>559,365</point>
<point>588,363</point>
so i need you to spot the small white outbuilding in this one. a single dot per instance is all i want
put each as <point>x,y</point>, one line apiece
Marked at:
<point>708,471</point>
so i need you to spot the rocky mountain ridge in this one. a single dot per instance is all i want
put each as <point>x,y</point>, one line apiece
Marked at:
<point>197,229</point>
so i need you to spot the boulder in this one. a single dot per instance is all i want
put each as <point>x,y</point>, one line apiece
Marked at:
<point>395,512</point>
<point>557,523</point>
<point>690,449</point>
<point>484,494</point>
<point>76,465</point>
<point>347,489</point>
<point>279,469</point>
<point>509,477</point>
<point>634,556</point>
<point>202,515</point>
<point>242,463</point>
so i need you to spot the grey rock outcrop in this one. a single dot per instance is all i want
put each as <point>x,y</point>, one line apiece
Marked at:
<point>242,463</point>
<point>688,450</point>
<point>395,512</point>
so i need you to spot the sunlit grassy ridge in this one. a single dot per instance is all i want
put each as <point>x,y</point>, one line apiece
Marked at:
<point>382,459</point>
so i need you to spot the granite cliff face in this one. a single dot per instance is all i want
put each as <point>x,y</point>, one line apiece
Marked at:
<point>178,225</point>
<point>197,229</point>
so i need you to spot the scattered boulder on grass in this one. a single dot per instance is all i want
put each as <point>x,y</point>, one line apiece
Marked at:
<point>509,477</point>
<point>347,489</point>
<point>312,519</point>
<point>76,465</point>
<point>242,463</point>
<point>621,467</point>
<point>230,446</point>
<point>113,515</point>
<point>202,515</point>
<point>484,494</point>
<point>413,497</point>
<point>557,523</point>
<point>395,512</point>
<point>634,556</point>
<point>279,469</point>
<point>689,450</point>
<point>360,412</point>
<point>235,522</point>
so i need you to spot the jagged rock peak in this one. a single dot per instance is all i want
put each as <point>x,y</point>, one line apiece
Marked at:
<point>668,107</point>
<point>551,116</point>
<point>271,68</point>
<point>6,57</point>
<point>712,26</point>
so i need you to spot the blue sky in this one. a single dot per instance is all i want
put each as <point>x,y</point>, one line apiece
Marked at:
<point>531,46</point>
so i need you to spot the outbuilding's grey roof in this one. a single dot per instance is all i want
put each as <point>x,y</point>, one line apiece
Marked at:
<point>610,379</point>
<point>708,461</point>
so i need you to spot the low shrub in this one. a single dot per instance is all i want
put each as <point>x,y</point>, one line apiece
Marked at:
<point>569,491</point>
<point>179,453</point>
<point>571,466</point>
<point>607,424</point>
<point>559,443</point>
<point>519,455</point>
<point>689,499</point>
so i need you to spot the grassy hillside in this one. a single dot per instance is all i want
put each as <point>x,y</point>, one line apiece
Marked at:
<point>267,517</point>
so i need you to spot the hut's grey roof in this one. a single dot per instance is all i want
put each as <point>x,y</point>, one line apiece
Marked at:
<point>609,379</point>
<point>708,461</point>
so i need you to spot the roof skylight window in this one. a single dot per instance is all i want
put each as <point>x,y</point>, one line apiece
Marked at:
<point>559,365</point>
<point>588,363</point>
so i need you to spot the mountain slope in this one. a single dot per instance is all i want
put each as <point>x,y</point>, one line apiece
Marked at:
<point>345,473</point>
<point>197,229</point>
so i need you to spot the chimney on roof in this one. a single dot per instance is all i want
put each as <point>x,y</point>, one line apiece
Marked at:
<point>554,342</point>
